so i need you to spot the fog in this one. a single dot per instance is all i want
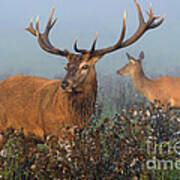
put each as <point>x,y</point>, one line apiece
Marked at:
<point>20,52</point>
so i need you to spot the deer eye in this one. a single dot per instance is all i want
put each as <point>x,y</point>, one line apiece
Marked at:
<point>85,66</point>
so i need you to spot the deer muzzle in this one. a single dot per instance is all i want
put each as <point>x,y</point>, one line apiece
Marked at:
<point>64,84</point>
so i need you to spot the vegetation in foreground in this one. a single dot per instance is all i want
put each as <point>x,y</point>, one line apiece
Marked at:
<point>117,148</point>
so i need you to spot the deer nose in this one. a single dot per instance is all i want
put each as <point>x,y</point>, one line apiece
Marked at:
<point>64,84</point>
<point>118,72</point>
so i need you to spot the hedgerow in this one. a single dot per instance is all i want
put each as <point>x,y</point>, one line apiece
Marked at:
<point>115,148</point>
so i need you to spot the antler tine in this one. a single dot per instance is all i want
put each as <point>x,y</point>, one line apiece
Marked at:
<point>94,44</point>
<point>151,16</point>
<point>101,52</point>
<point>50,24</point>
<point>30,28</point>
<point>44,45</point>
<point>43,39</point>
<point>140,15</point>
<point>151,10</point>
<point>158,23</point>
<point>123,31</point>
<point>75,46</point>
<point>37,27</point>
<point>83,51</point>
<point>143,27</point>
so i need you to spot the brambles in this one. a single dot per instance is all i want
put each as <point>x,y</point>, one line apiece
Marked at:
<point>114,149</point>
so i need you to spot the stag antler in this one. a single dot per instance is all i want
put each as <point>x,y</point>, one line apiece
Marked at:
<point>43,37</point>
<point>84,51</point>
<point>143,27</point>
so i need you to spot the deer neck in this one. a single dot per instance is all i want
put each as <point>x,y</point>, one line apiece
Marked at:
<point>140,81</point>
<point>80,106</point>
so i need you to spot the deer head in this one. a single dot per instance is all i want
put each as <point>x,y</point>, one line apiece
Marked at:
<point>133,66</point>
<point>80,66</point>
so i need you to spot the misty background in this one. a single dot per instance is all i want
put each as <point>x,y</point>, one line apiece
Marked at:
<point>20,52</point>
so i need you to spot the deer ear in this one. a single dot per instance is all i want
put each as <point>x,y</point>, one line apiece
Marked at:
<point>141,56</point>
<point>131,59</point>
<point>129,56</point>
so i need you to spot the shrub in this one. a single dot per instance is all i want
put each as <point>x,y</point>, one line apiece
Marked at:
<point>113,149</point>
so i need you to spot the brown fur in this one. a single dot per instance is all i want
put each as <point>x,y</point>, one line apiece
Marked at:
<point>40,106</point>
<point>165,88</point>
<point>43,106</point>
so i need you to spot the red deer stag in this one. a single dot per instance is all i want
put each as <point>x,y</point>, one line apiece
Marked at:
<point>43,106</point>
<point>165,88</point>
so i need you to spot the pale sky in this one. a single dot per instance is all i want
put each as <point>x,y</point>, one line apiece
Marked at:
<point>19,51</point>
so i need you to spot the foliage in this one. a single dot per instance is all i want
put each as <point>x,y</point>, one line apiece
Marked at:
<point>108,148</point>
<point>113,149</point>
